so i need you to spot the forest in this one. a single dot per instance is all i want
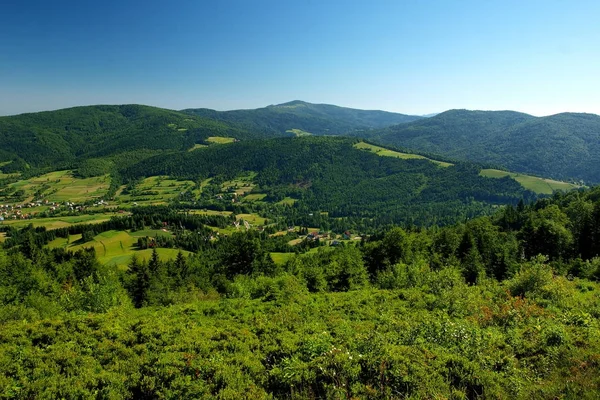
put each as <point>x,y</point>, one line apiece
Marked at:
<point>562,146</point>
<point>500,306</point>
<point>328,175</point>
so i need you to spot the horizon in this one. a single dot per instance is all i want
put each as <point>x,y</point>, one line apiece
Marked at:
<point>538,58</point>
<point>427,115</point>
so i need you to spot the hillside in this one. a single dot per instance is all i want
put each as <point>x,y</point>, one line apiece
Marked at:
<point>316,119</point>
<point>502,307</point>
<point>563,146</point>
<point>59,138</point>
<point>329,175</point>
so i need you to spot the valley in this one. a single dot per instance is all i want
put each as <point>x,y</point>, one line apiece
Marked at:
<point>333,260</point>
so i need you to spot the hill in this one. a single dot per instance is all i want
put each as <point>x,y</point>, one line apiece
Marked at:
<point>60,138</point>
<point>563,146</point>
<point>329,175</point>
<point>316,119</point>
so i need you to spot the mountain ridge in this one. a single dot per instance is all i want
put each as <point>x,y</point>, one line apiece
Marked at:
<point>563,146</point>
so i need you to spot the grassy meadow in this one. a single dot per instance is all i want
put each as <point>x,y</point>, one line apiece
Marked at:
<point>533,183</point>
<point>60,186</point>
<point>116,247</point>
<point>381,151</point>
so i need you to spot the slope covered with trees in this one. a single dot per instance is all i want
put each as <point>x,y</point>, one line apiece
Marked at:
<point>317,119</point>
<point>563,146</point>
<point>328,175</point>
<point>61,138</point>
<point>505,306</point>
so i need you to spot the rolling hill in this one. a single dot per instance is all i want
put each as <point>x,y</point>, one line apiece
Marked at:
<point>316,119</point>
<point>330,175</point>
<point>563,146</point>
<point>60,138</point>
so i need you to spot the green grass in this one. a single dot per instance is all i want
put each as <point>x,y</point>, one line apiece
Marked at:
<point>156,190</point>
<point>281,258</point>
<point>299,132</point>
<point>533,183</point>
<point>116,247</point>
<point>198,146</point>
<point>253,219</point>
<point>150,233</point>
<point>380,151</point>
<point>61,222</point>
<point>220,140</point>
<point>288,201</point>
<point>254,197</point>
<point>61,186</point>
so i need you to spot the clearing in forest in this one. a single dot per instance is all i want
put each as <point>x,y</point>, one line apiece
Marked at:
<point>533,183</point>
<point>381,151</point>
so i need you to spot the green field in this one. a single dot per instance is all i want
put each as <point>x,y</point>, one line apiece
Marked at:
<point>254,197</point>
<point>380,151</point>
<point>197,146</point>
<point>533,183</point>
<point>299,132</point>
<point>281,258</point>
<point>61,222</point>
<point>156,190</point>
<point>116,247</point>
<point>253,219</point>
<point>220,140</point>
<point>61,186</point>
<point>288,201</point>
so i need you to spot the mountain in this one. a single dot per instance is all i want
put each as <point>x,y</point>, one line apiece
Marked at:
<point>563,146</point>
<point>331,175</point>
<point>316,119</point>
<point>58,138</point>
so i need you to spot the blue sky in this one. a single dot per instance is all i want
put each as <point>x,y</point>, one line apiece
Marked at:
<point>411,56</point>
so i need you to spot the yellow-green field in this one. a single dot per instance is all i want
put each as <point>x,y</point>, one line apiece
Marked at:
<point>241,185</point>
<point>253,219</point>
<point>288,201</point>
<point>2,237</point>
<point>197,146</point>
<point>115,247</point>
<point>220,140</point>
<point>281,258</point>
<point>533,183</point>
<point>380,151</point>
<point>211,212</point>
<point>61,222</point>
<point>254,197</point>
<point>156,190</point>
<point>61,186</point>
<point>299,132</point>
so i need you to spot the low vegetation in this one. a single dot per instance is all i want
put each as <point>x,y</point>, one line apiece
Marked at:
<point>533,183</point>
<point>498,307</point>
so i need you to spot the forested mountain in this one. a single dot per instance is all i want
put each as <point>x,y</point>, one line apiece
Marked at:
<point>317,119</point>
<point>327,174</point>
<point>57,138</point>
<point>563,146</point>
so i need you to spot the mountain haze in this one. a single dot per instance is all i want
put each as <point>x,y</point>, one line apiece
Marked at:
<point>562,146</point>
<point>317,119</point>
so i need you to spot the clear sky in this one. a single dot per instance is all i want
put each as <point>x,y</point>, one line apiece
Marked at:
<point>408,56</point>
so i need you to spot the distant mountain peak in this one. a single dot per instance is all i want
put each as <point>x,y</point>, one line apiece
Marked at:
<point>292,103</point>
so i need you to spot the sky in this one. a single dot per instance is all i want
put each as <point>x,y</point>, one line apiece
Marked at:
<point>407,56</point>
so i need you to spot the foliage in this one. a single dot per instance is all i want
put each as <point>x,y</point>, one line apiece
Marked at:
<point>299,116</point>
<point>563,146</point>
